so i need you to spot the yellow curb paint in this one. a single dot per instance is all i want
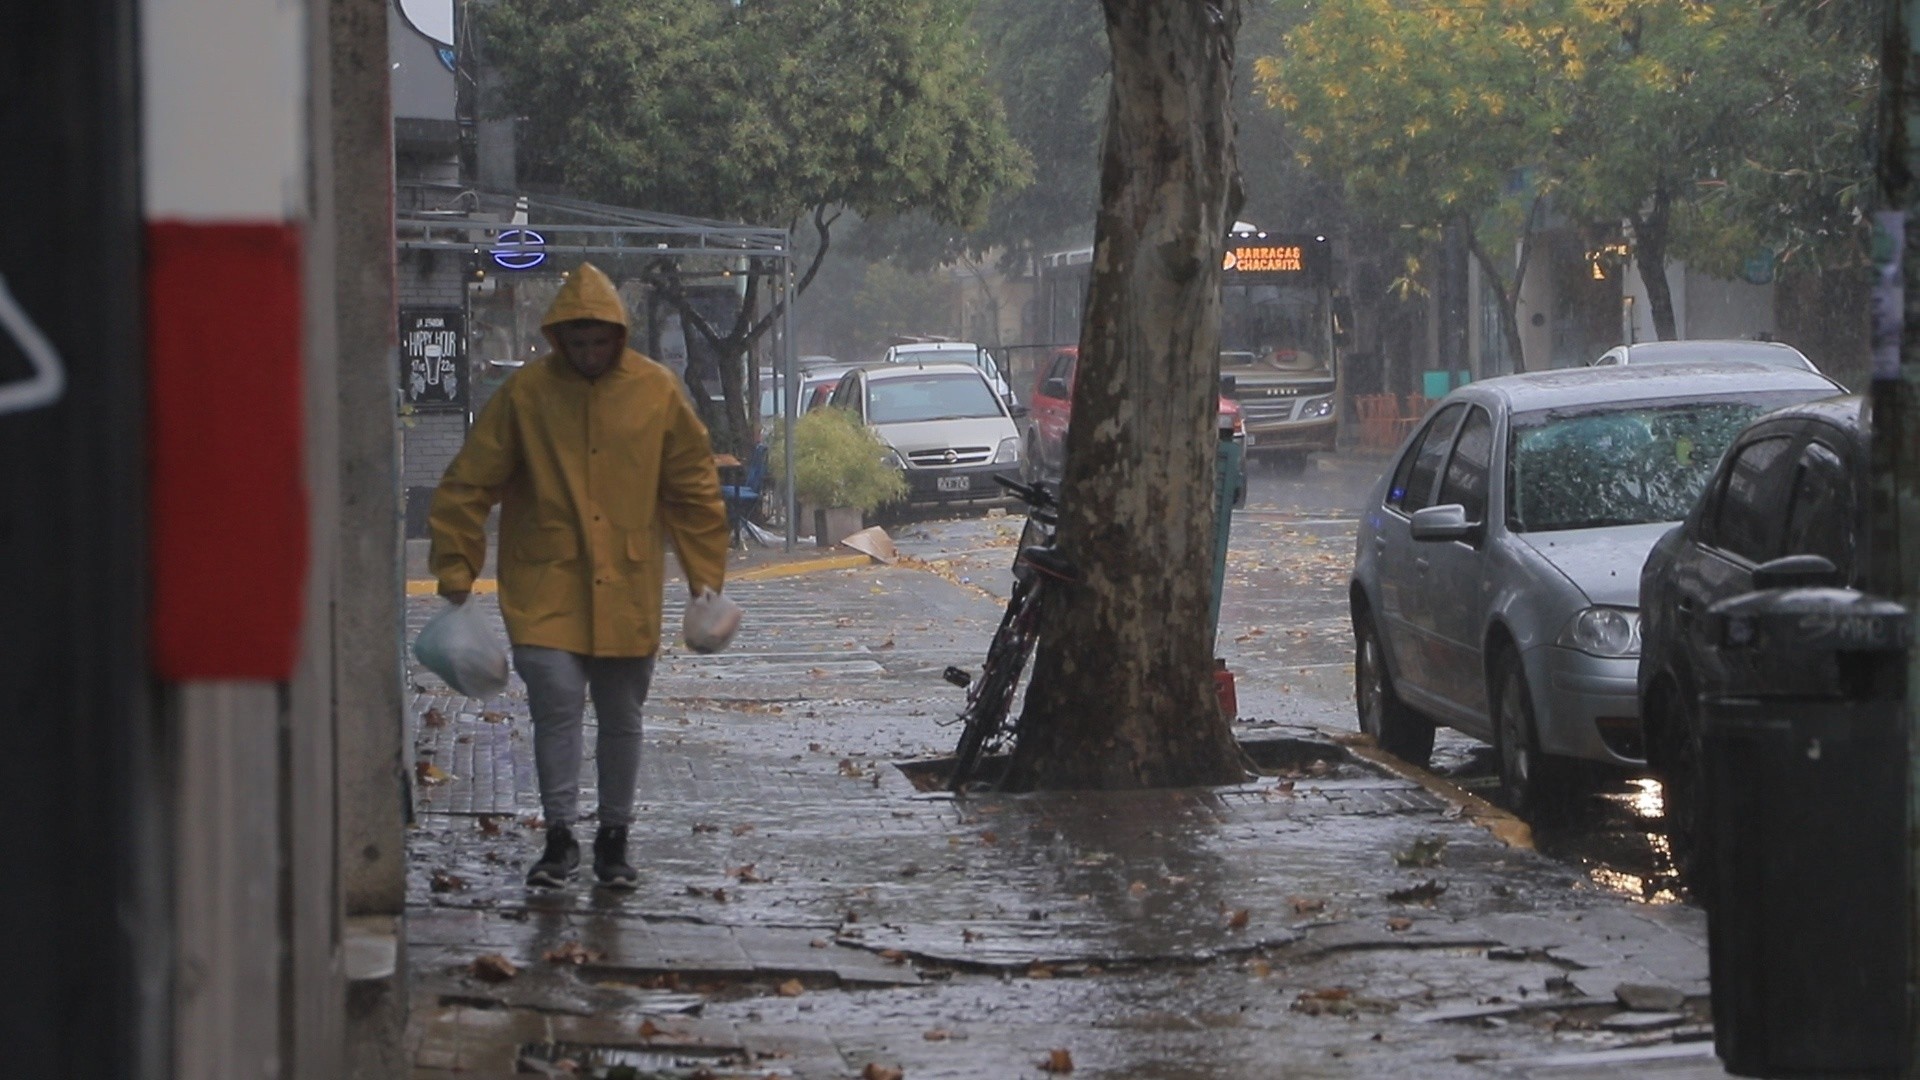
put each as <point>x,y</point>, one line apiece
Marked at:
<point>430,587</point>
<point>780,570</point>
<point>1505,828</point>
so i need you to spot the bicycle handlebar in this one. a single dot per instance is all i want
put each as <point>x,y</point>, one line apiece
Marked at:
<point>1035,494</point>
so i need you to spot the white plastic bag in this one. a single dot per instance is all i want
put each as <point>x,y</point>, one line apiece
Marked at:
<point>458,646</point>
<point>710,622</point>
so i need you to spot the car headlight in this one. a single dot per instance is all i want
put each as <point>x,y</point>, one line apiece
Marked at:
<point>891,458</point>
<point>1315,408</point>
<point>1009,451</point>
<point>1603,631</point>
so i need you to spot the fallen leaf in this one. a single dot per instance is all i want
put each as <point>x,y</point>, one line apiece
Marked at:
<point>745,875</point>
<point>850,768</point>
<point>570,952</point>
<point>893,956</point>
<point>742,829</point>
<point>989,837</point>
<point>1239,920</point>
<point>818,943</point>
<point>442,881</point>
<point>1424,893</point>
<point>428,773</point>
<point>1398,923</point>
<point>488,824</point>
<point>492,968</point>
<point>1039,971</point>
<point>1138,888</point>
<point>790,988</point>
<point>877,1071</point>
<point>937,1035</point>
<point>434,718</point>
<point>1259,969</point>
<point>703,827</point>
<point>648,1029</point>
<point>1307,905</point>
<point>1424,852</point>
<point>1058,1061</point>
<point>494,717</point>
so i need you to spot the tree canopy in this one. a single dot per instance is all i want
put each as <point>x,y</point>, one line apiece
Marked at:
<point>766,111</point>
<point>1711,131</point>
<point>759,112</point>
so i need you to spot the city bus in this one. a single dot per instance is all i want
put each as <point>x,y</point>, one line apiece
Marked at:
<point>1279,334</point>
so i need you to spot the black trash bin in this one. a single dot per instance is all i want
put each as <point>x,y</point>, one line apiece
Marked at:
<point>1804,815</point>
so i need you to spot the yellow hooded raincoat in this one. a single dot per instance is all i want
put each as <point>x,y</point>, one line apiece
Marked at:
<point>590,476</point>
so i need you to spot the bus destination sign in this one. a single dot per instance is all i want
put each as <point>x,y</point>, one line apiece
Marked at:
<point>1266,259</point>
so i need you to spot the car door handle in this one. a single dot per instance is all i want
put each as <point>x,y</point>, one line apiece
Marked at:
<point>1684,607</point>
<point>1420,565</point>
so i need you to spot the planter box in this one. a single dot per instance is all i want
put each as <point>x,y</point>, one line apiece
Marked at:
<point>835,523</point>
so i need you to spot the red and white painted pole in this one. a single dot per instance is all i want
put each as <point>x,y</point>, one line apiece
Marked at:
<point>224,157</point>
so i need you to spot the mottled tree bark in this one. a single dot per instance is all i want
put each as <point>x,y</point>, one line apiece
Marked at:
<point>1122,693</point>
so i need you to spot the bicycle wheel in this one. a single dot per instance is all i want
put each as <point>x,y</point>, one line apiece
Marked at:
<point>991,698</point>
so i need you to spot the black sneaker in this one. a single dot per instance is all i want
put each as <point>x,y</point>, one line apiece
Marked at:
<point>610,858</point>
<point>558,862</point>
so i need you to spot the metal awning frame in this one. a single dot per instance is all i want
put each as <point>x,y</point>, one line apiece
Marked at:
<point>579,229</point>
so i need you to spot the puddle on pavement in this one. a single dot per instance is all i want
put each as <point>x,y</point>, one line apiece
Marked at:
<point>1282,757</point>
<point>1616,836</point>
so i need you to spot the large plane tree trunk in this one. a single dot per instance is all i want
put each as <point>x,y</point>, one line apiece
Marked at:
<point>1122,693</point>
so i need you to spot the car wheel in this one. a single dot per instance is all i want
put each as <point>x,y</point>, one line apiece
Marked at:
<point>1682,776</point>
<point>1399,730</point>
<point>1535,786</point>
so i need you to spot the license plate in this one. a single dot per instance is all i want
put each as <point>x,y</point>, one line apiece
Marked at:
<point>953,483</point>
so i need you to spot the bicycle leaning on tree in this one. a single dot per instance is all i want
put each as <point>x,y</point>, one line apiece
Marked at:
<point>1038,570</point>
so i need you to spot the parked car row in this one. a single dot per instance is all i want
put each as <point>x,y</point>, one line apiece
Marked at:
<point>1498,585</point>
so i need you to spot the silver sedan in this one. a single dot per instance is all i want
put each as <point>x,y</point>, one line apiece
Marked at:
<point>1495,586</point>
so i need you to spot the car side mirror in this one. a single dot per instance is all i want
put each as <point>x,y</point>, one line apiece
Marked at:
<point>1445,522</point>
<point>1018,412</point>
<point>1796,572</point>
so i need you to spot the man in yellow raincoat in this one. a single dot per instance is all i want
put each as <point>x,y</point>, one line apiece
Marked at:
<point>595,457</point>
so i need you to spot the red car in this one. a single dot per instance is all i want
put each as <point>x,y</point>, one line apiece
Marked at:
<point>1051,406</point>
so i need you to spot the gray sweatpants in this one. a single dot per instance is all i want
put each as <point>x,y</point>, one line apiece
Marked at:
<point>557,684</point>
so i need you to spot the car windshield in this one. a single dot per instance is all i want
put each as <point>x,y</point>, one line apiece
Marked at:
<point>1620,463</point>
<point>958,396</point>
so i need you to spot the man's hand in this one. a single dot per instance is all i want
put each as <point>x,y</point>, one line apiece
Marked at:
<point>456,598</point>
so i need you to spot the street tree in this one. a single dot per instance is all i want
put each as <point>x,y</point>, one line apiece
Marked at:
<point>1718,133</point>
<point>1428,114</point>
<point>1709,131</point>
<point>776,112</point>
<point>1122,694</point>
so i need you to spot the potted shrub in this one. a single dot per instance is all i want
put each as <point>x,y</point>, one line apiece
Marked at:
<point>839,471</point>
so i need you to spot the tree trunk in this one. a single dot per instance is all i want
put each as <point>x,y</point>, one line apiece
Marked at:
<point>1504,295</point>
<point>1122,693</point>
<point>1650,256</point>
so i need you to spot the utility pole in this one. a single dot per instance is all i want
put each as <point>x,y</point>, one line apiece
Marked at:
<point>1895,551</point>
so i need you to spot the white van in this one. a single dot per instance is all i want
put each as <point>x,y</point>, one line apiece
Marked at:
<point>965,352</point>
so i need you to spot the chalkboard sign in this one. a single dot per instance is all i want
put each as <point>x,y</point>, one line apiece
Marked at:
<point>433,358</point>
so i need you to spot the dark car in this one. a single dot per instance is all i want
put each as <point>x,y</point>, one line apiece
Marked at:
<point>1792,483</point>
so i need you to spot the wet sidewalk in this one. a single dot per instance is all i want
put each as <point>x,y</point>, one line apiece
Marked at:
<point>806,911</point>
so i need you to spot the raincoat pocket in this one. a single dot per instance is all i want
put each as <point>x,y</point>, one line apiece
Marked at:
<point>548,545</point>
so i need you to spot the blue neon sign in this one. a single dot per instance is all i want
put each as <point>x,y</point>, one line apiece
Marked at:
<point>519,249</point>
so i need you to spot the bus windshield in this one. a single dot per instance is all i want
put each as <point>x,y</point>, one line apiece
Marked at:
<point>1273,327</point>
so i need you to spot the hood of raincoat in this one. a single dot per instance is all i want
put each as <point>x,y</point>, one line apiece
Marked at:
<point>588,294</point>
